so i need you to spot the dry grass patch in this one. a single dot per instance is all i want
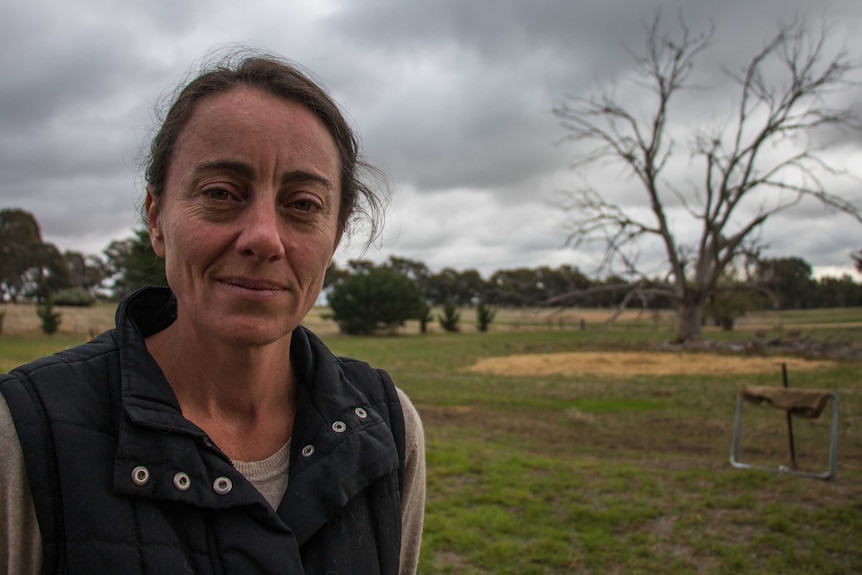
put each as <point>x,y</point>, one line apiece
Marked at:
<point>21,319</point>
<point>637,363</point>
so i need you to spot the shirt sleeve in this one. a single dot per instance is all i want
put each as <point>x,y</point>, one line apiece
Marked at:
<point>20,539</point>
<point>413,495</point>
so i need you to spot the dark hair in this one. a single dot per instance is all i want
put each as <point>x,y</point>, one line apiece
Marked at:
<point>283,79</point>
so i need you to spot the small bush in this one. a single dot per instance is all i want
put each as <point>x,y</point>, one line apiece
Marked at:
<point>425,316</point>
<point>484,316</point>
<point>75,297</point>
<point>49,318</point>
<point>451,316</point>
<point>372,300</point>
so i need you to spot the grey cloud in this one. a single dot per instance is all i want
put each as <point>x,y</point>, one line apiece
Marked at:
<point>491,138</point>
<point>446,94</point>
<point>827,242</point>
<point>489,123</point>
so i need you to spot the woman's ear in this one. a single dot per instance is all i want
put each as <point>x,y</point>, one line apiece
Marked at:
<point>151,204</point>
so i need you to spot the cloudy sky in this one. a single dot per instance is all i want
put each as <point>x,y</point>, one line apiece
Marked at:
<point>453,100</point>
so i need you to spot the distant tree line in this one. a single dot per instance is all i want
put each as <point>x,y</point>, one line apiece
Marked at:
<point>32,269</point>
<point>402,289</point>
<point>779,283</point>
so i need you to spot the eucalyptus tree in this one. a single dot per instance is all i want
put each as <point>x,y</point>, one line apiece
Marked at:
<point>757,163</point>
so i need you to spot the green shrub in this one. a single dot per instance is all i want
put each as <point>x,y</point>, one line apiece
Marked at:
<point>484,315</point>
<point>76,297</point>
<point>425,316</point>
<point>450,317</point>
<point>374,299</point>
<point>49,318</point>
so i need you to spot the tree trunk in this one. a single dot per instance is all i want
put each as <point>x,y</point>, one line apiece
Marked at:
<point>690,314</point>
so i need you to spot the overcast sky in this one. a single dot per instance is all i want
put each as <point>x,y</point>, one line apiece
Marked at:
<point>452,99</point>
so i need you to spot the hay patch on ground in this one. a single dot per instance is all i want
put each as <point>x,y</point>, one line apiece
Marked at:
<point>21,319</point>
<point>637,363</point>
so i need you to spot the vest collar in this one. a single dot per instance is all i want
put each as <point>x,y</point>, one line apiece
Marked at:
<point>340,443</point>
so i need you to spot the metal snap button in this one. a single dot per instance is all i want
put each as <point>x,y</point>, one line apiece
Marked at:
<point>182,481</point>
<point>308,451</point>
<point>140,475</point>
<point>360,413</point>
<point>222,485</point>
<point>338,427</point>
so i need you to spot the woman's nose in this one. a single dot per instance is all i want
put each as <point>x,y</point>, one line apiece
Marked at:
<point>261,233</point>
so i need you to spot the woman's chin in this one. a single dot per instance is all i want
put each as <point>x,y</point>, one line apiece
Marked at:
<point>254,332</point>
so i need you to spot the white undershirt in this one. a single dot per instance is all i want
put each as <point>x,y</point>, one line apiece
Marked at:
<point>268,475</point>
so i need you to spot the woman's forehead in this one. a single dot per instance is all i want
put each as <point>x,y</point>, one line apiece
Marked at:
<point>248,122</point>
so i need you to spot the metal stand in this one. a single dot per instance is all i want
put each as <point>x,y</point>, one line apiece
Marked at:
<point>833,444</point>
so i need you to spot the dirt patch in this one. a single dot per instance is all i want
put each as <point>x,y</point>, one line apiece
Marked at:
<point>637,363</point>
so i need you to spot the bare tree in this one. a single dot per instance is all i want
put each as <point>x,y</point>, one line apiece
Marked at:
<point>784,95</point>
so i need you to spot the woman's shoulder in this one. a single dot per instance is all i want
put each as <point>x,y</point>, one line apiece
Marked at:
<point>412,421</point>
<point>20,540</point>
<point>73,377</point>
<point>102,348</point>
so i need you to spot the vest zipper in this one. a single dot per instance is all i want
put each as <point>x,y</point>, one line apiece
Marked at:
<point>208,443</point>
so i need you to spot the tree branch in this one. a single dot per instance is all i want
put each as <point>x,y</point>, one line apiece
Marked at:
<point>757,155</point>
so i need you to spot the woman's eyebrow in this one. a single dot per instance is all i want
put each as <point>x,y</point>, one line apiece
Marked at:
<point>235,167</point>
<point>300,176</point>
<point>246,171</point>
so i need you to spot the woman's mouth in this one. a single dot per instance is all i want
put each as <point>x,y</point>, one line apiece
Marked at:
<point>253,284</point>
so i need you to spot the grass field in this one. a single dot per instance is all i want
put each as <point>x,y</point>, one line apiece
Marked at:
<point>622,469</point>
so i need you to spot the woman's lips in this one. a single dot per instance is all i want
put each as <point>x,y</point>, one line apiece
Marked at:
<point>253,284</point>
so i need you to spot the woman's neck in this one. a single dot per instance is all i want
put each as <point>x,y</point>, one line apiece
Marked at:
<point>243,397</point>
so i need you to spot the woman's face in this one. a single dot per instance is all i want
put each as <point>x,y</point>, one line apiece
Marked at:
<point>248,220</point>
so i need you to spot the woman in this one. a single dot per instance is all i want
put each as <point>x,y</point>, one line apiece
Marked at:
<point>209,432</point>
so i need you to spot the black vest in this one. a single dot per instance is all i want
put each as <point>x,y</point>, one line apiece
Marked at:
<point>122,483</point>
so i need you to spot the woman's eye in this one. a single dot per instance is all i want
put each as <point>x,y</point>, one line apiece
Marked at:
<point>219,194</point>
<point>304,205</point>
